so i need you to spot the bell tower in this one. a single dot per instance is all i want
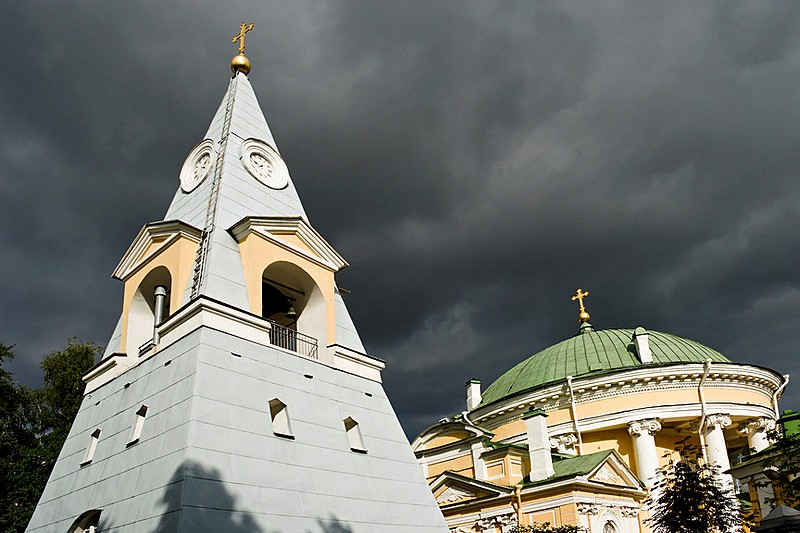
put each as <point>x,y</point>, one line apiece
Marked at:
<point>235,393</point>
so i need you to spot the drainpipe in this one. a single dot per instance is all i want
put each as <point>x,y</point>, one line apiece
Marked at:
<point>706,371</point>
<point>161,297</point>
<point>574,410</point>
<point>778,393</point>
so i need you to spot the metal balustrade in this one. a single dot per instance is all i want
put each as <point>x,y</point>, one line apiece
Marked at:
<point>292,340</point>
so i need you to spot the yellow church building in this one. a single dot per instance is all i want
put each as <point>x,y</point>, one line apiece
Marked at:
<point>575,433</point>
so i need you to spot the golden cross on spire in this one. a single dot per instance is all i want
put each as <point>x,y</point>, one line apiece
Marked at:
<point>243,29</point>
<point>580,295</point>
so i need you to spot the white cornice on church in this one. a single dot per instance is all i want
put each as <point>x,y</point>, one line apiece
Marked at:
<point>646,379</point>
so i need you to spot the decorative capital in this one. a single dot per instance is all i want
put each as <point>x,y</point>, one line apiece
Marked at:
<point>565,440</point>
<point>757,425</point>
<point>640,427</point>
<point>718,421</point>
<point>588,508</point>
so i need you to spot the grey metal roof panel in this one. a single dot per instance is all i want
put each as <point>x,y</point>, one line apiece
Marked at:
<point>346,333</point>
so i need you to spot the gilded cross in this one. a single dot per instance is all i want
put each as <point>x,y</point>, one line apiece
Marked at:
<point>245,27</point>
<point>580,295</point>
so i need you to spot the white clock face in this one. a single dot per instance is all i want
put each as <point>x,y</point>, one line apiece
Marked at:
<point>264,164</point>
<point>198,165</point>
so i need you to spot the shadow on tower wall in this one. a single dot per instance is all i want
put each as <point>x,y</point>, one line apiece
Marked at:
<point>195,501</point>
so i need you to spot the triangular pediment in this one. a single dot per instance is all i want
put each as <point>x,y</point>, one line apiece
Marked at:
<point>153,239</point>
<point>293,234</point>
<point>614,471</point>
<point>451,487</point>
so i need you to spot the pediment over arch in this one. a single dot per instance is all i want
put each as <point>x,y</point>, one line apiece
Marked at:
<point>448,433</point>
<point>293,234</point>
<point>153,239</point>
<point>451,487</point>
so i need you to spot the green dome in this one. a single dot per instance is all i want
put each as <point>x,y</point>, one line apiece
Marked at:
<point>595,352</point>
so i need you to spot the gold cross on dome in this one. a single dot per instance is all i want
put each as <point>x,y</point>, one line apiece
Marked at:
<point>243,29</point>
<point>580,294</point>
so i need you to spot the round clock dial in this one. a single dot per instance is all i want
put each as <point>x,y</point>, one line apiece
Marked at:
<point>198,165</point>
<point>264,164</point>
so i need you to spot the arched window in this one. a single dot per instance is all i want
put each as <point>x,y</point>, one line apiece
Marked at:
<point>354,435</point>
<point>144,309</point>
<point>86,522</point>
<point>609,527</point>
<point>280,418</point>
<point>292,301</point>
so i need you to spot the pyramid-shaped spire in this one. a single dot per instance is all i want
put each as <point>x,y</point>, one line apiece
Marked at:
<point>240,145</point>
<point>235,173</point>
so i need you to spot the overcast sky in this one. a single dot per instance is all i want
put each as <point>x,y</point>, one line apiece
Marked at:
<point>475,162</point>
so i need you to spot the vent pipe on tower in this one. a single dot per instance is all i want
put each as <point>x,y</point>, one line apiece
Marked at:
<point>160,295</point>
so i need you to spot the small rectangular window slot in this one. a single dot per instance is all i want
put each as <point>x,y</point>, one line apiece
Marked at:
<point>138,424</point>
<point>95,438</point>
<point>309,376</point>
<point>368,394</point>
<point>281,426</point>
<point>168,362</point>
<point>354,437</point>
<point>236,354</point>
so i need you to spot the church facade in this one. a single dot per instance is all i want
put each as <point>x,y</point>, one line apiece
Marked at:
<point>235,393</point>
<point>575,433</point>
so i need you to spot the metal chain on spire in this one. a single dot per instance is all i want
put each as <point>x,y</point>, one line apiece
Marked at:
<point>211,209</point>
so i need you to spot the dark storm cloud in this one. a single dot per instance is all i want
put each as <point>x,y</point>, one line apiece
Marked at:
<point>474,162</point>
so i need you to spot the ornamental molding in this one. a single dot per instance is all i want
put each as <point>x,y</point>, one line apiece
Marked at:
<point>642,427</point>
<point>271,228</point>
<point>594,508</point>
<point>504,522</point>
<point>161,233</point>
<point>453,494</point>
<point>644,379</point>
<point>756,426</point>
<point>564,441</point>
<point>606,475</point>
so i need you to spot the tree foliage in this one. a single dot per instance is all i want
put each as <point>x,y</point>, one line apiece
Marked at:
<point>34,422</point>
<point>784,468</point>
<point>547,528</point>
<point>688,498</point>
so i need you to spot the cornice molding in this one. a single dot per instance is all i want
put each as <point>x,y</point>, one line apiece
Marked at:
<point>271,228</point>
<point>644,379</point>
<point>169,230</point>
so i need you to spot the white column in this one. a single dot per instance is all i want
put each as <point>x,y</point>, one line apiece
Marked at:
<point>756,432</point>
<point>644,446</point>
<point>478,464</point>
<point>717,450</point>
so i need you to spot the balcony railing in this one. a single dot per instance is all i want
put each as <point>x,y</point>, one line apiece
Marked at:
<point>292,340</point>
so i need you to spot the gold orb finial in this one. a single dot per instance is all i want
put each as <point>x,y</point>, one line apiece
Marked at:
<point>240,63</point>
<point>580,294</point>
